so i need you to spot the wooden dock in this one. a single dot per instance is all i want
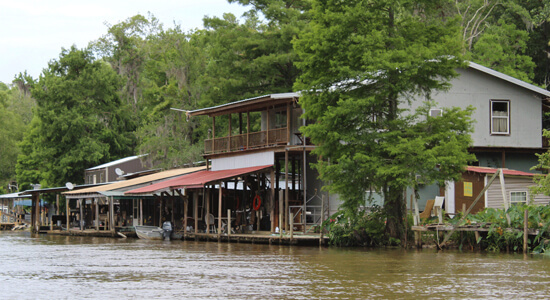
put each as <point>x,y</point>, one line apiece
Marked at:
<point>262,238</point>
<point>253,238</point>
<point>6,226</point>
<point>485,227</point>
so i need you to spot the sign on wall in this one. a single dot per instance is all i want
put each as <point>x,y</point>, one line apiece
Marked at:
<point>468,189</point>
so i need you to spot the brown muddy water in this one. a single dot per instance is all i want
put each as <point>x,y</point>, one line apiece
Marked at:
<point>57,267</point>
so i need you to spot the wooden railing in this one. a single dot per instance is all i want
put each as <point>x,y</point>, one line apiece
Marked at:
<point>246,141</point>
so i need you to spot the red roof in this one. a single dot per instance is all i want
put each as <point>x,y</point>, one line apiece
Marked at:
<point>487,170</point>
<point>195,180</point>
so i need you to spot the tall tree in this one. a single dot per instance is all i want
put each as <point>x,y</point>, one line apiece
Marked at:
<point>15,114</point>
<point>80,121</point>
<point>363,65</point>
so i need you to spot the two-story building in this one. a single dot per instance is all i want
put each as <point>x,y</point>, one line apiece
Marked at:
<point>256,151</point>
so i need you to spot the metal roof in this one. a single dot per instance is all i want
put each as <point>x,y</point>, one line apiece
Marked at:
<point>487,170</point>
<point>14,196</point>
<point>116,162</point>
<point>244,101</point>
<point>135,181</point>
<point>195,180</point>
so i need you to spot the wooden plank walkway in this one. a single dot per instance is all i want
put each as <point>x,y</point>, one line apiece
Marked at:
<point>468,228</point>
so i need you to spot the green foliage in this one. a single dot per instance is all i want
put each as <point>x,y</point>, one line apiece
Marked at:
<point>79,121</point>
<point>502,236</point>
<point>362,65</point>
<point>15,113</point>
<point>364,229</point>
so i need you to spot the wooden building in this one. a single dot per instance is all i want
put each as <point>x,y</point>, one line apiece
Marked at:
<point>105,207</point>
<point>516,189</point>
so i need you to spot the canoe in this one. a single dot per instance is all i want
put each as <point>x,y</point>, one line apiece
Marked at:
<point>149,232</point>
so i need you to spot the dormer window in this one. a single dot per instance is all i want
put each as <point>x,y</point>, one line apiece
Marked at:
<point>500,117</point>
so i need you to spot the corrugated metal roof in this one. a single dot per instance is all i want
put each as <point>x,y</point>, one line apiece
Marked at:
<point>136,181</point>
<point>487,170</point>
<point>267,97</point>
<point>116,162</point>
<point>195,180</point>
<point>14,196</point>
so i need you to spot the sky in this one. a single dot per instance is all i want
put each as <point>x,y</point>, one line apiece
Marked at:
<point>33,32</point>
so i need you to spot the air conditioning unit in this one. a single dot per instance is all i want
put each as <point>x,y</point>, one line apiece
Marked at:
<point>436,112</point>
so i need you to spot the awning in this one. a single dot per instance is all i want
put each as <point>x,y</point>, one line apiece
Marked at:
<point>195,180</point>
<point>128,184</point>
<point>487,170</point>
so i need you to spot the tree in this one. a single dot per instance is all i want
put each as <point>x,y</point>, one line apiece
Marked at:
<point>364,63</point>
<point>15,115</point>
<point>79,121</point>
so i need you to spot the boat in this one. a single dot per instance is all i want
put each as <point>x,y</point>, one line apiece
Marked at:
<point>149,232</point>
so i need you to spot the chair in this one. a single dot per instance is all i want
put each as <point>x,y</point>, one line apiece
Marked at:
<point>438,208</point>
<point>210,221</point>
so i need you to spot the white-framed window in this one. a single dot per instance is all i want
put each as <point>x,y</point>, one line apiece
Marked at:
<point>500,117</point>
<point>518,197</point>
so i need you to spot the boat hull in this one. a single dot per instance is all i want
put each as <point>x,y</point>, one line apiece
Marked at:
<point>149,232</point>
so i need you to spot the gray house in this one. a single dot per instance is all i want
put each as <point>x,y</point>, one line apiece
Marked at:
<point>508,121</point>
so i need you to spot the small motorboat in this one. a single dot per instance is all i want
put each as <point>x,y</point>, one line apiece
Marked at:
<point>149,232</point>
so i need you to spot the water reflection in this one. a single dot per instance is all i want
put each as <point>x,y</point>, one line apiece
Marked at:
<point>78,267</point>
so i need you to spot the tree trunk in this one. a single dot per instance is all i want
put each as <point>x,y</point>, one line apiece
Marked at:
<point>394,205</point>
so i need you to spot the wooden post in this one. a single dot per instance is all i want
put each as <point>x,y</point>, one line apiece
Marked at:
<point>228,223</point>
<point>247,128</point>
<point>322,220</point>
<point>160,210</point>
<point>288,123</point>
<point>185,212</point>
<point>141,211</point>
<point>97,214</point>
<point>36,198</point>
<point>280,214</point>
<point>111,214</point>
<point>285,208</point>
<point>57,212</point>
<point>504,198</point>
<point>196,211</point>
<point>525,229</point>
<point>207,214</point>
<point>267,129</point>
<point>291,226</point>
<point>229,135</point>
<point>272,200</point>
<point>220,210</point>
<point>67,200</point>
<point>81,219</point>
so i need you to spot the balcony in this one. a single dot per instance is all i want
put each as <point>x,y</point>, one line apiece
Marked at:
<point>241,142</point>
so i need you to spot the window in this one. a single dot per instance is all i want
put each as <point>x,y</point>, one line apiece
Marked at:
<point>500,117</point>
<point>518,197</point>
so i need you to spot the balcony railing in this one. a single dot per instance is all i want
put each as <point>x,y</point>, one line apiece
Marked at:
<point>246,141</point>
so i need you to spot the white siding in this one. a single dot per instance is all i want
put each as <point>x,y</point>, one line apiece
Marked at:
<point>243,161</point>
<point>513,184</point>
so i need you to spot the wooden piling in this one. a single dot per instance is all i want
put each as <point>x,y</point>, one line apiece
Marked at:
<point>525,229</point>
<point>291,219</point>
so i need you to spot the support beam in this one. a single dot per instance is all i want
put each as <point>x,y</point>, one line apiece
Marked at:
<point>272,200</point>
<point>207,214</point>
<point>96,214</point>
<point>220,210</point>
<point>285,208</point>
<point>67,201</point>
<point>112,214</point>
<point>196,210</point>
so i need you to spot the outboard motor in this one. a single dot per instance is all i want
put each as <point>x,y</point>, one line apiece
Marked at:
<point>167,230</point>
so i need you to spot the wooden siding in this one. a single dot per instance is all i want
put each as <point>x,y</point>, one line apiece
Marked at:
<point>478,183</point>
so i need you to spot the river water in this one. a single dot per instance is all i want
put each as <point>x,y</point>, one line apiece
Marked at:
<point>58,267</point>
